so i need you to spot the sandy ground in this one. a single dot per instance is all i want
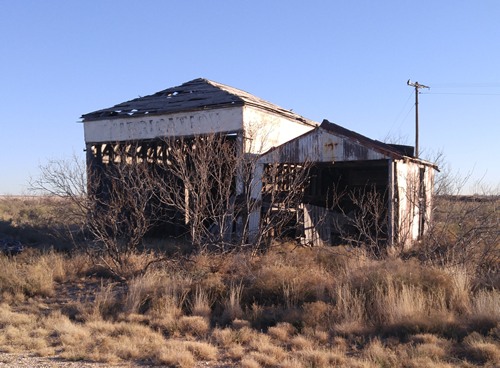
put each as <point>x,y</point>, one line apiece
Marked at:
<point>31,361</point>
<point>26,360</point>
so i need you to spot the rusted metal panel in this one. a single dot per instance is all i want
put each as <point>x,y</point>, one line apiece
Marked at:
<point>354,151</point>
<point>320,145</point>
<point>379,147</point>
<point>301,150</point>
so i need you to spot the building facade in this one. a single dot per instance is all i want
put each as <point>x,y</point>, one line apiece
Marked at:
<point>338,160</point>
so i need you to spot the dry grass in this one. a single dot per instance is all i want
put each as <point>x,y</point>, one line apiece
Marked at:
<point>380,313</point>
<point>21,332</point>
<point>38,221</point>
<point>485,310</point>
<point>201,303</point>
<point>482,349</point>
<point>193,326</point>
<point>288,307</point>
<point>31,275</point>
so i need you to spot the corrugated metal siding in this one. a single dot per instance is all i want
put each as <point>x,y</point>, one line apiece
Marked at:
<point>322,146</point>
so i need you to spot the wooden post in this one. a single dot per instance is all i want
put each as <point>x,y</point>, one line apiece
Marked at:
<point>417,86</point>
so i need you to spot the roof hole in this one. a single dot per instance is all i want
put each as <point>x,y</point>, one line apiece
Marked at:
<point>170,95</point>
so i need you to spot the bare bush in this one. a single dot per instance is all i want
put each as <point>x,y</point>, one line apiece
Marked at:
<point>111,205</point>
<point>197,180</point>
<point>120,214</point>
<point>465,230</point>
<point>215,187</point>
<point>362,218</point>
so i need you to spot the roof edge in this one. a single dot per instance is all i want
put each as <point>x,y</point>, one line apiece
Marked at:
<point>195,95</point>
<point>384,148</point>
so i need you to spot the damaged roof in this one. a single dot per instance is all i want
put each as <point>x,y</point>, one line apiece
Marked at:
<point>198,94</point>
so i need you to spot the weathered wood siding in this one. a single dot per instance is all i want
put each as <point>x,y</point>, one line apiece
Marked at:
<point>318,222</point>
<point>414,186</point>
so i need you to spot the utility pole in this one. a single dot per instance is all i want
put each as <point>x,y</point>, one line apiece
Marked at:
<point>417,86</point>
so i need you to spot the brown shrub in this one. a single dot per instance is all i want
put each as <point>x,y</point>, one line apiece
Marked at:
<point>235,352</point>
<point>350,310</point>
<point>301,342</point>
<point>320,358</point>
<point>268,358</point>
<point>317,315</point>
<point>481,350</point>
<point>279,279</point>
<point>319,337</point>
<point>431,351</point>
<point>174,354</point>
<point>282,332</point>
<point>170,295</point>
<point>193,326</point>
<point>380,355</point>
<point>240,323</point>
<point>485,311</point>
<point>21,332</point>
<point>202,350</point>
<point>232,304</point>
<point>224,337</point>
<point>201,303</point>
<point>105,305</point>
<point>143,291</point>
<point>249,362</point>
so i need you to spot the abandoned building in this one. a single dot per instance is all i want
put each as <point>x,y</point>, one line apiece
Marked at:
<point>340,162</point>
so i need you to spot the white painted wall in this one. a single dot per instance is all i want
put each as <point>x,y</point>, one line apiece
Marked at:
<point>177,124</point>
<point>264,130</point>
<point>407,212</point>
<point>408,181</point>
<point>429,192</point>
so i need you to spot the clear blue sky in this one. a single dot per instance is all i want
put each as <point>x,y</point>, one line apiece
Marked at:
<point>345,61</point>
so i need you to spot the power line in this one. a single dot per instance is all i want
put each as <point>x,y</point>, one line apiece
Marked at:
<point>467,85</point>
<point>460,93</point>
<point>401,111</point>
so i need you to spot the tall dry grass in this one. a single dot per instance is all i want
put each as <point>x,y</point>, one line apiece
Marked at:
<point>283,308</point>
<point>32,274</point>
<point>288,307</point>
